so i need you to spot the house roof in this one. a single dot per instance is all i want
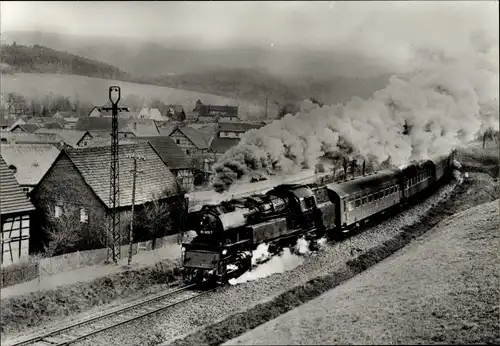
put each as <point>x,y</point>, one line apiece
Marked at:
<point>151,113</point>
<point>142,129</point>
<point>44,120</point>
<point>28,128</point>
<point>53,125</point>
<point>6,121</point>
<point>70,137</point>
<point>195,136</point>
<point>13,199</point>
<point>228,111</point>
<point>32,161</point>
<point>94,165</point>
<point>238,127</point>
<point>221,145</point>
<point>173,156</point>
<point>71,119</point>
<point>98,124</point>
<point>26,138</point>
<point>67,114</point>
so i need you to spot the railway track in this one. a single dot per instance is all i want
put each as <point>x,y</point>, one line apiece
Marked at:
<point>111,319</point>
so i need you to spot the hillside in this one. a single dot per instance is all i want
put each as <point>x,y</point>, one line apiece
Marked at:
<point>39,59</point>
<point>188,55</point>
<point>249,84</point>
<point>95,90</point>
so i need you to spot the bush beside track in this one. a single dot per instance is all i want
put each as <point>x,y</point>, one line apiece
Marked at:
<point>20,313</point>
<point>477,189</point>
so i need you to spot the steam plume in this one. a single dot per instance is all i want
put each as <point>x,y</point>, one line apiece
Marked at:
<point>444,103</point>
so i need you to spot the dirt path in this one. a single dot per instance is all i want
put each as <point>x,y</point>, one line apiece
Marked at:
<point>444,287</point>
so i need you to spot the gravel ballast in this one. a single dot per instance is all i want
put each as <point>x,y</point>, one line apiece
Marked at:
<point>443,288</point>
<point>232,300</point>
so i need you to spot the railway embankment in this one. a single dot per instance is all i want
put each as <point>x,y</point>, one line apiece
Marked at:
<point>477,187</point>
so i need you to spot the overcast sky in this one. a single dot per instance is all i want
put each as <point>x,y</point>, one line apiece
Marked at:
<point>358,25</point>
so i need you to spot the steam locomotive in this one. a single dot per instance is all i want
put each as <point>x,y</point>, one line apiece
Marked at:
<point>228,232</point>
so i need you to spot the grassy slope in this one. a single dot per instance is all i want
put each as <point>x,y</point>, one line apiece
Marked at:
<point>95,90</point>
<point>442,288</point>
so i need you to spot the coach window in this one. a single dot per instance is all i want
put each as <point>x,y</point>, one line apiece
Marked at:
<point>364,200</point>
<point>358,203</point>
<point>386,192</point>
<point>370,198</point>
<point>350,205</point>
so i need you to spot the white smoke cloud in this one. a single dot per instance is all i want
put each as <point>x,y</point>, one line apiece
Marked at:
<point>280,263</point>
<point>444,103</point>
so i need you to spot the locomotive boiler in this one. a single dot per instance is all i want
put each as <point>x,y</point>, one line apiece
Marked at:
<point>227,233</point>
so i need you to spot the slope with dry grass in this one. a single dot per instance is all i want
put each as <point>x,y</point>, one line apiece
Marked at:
<point>442,288</point>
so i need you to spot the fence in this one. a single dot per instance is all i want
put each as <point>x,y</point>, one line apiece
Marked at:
<point>74,260</point>
<point>19,273</point>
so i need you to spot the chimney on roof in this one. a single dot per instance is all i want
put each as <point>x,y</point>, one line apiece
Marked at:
<point>135,126</point>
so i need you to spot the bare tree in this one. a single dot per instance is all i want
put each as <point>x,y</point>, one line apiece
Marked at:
<point>64,232</point>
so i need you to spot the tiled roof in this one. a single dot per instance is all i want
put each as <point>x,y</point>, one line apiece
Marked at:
<point>98,124</point>
<point>28,128</point>
<point>94,165</point>
<point>53,125</point>
<point>12,197</point>
<point>152,113</point>
<point>43,120</point>
<point>32,161</point>
<point>70,137</point>
<point>173,156</point>
<point>221,145</point>
<point>167,130</point>
<point>67,114</point>
<point>238,127</point>
<point>142,129</point>
<point>71,119</point>
<point>26,138</point>
<point>195,136</point>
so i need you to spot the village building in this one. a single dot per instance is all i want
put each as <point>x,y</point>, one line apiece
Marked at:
<point>72,138</point>
<point>18,121</point>
<point>6,122</point>
<point>230,113</point>
<point>28,138</point>
<point>193,142</point>
<point>15,218</point>
<point>236,130</point>
<point>69,117</point>
<point>24,128</point>
<point>127,127</point>
<point>152,114</point>
<point>29,162</point>
<point>77,185</point>
<point>176,160</point>
<point>48,122</point>
<point>100,112</point>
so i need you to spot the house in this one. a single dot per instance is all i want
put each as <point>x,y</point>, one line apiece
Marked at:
<point>236,129</point>
<point>176,160</point>
<point>27,138</point>
<point>6,122</point>
<point>73,138</point>
<point>65,114</point>
<point>152,114</point>
<point>44,121</point>
<point>70,122</point>
<point>25,128</point>
<point>98,111</point>
<point>192,141</point>
<point>15,217</point>
<point>18,121</point>
<point>78,184</point>
<point>219,111</point>
<point>127,127</point>
<point>29,162</point>
<point>219,146</point>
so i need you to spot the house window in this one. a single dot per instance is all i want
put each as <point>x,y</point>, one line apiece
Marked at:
<point>84,216</point>
<point>178,141</point>
<point>188,152</point>
<point>57,211</point>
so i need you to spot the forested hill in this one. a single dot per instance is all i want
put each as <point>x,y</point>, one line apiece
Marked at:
<point>39,59</point>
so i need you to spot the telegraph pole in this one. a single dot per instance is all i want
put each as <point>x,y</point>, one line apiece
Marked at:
<point>113,246</point>
<point>134,177</point>
<point>266,107</point>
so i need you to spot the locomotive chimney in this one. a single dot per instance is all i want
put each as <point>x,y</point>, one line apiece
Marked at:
<point>345,168</point>
<point>364,167</point>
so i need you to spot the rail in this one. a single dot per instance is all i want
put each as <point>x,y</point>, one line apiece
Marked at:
<point>122,315</point>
